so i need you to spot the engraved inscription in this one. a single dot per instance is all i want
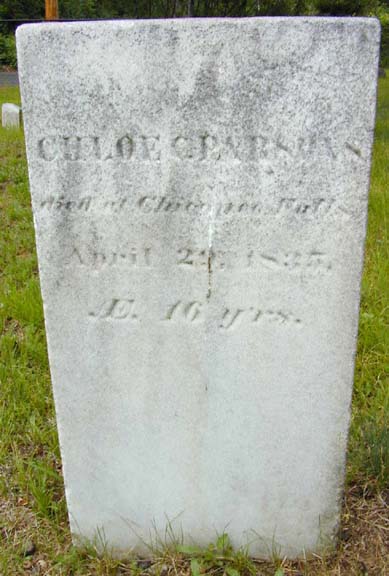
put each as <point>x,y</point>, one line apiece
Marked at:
<point>99,259</point>
<point>162,204</point>
<point>185,311</point>
<point>309,209</point>
<point>61,203</point>
<point>190,259</point>
<point>116,309</point>
<point>289,206</point>
<point>312,261</point>
<point>82,148</point>
<point>193,312</point>
<point>317,206</point>
<point>232,317</point>
<point>269,150</point>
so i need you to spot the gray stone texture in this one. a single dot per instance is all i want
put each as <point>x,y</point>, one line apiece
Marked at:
<point>10,115</point>
<point>200,191</point>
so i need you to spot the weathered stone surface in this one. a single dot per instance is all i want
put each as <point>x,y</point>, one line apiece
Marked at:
<point>199,190</point>
<point>10,116</point>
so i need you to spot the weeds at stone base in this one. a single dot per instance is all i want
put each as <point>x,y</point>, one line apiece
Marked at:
<point>363,548</point>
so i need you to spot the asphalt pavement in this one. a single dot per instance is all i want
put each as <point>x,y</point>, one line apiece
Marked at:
<point>9,79</point>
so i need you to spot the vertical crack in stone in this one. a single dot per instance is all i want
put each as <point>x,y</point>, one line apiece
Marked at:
<point>209,276</point>
<point>211,226</point>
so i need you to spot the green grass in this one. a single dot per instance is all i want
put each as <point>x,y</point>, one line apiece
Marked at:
<point>369,435</point>
<point>32,504</point>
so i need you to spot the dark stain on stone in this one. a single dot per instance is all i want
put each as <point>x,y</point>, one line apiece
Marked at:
<point>209,277</point>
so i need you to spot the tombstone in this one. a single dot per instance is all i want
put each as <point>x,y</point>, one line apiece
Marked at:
<point>200,191</point>
<point>10,116</point>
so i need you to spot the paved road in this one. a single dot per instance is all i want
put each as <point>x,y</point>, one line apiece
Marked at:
<point>9,79</point>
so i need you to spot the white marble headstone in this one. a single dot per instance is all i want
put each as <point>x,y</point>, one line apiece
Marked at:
<point>200,190</point>
<point>10,115</point>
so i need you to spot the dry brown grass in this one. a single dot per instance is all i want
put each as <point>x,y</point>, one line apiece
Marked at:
<point>364,539</point>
